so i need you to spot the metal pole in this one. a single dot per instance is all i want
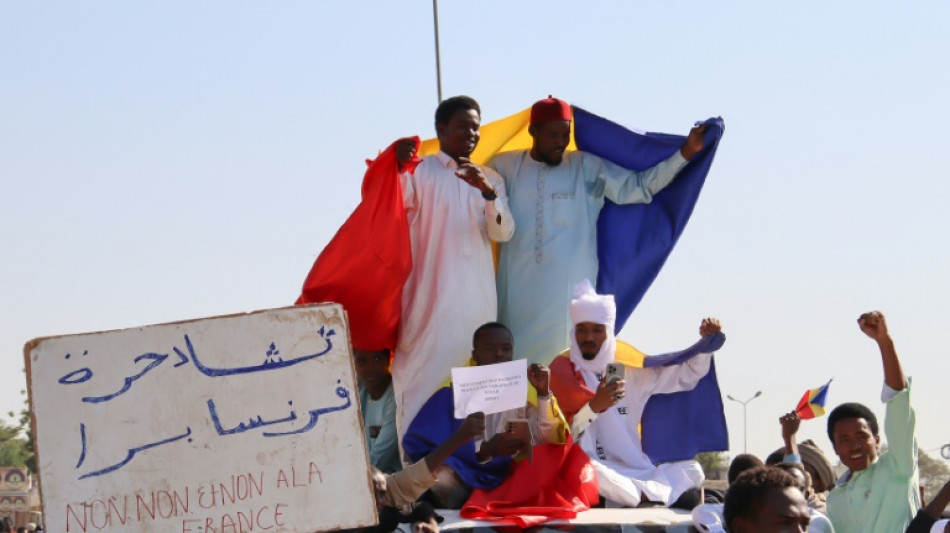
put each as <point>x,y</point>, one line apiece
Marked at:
<point>745,429</point>
<point>438,64</point>
<point>745,419</point>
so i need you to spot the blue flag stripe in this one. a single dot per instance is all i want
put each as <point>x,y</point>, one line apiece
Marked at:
<point>633,243</point>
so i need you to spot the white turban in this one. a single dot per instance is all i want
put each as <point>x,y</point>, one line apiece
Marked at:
<point>588,306</point>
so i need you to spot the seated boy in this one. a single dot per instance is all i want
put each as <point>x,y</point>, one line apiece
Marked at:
<point>378,406</point>
<point>560,475</point>
<point>879,492</point>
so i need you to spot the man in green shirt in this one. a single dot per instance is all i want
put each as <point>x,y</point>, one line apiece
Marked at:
<point>879,492</point>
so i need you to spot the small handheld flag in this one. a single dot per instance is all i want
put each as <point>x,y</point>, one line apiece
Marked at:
<point>812,404</point>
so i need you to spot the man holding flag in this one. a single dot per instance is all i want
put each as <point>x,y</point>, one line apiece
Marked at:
<point>605,414</point>
<point>556,197</point>
<point>455,209</point>
<point>807,453</point>
<point>413,265</point>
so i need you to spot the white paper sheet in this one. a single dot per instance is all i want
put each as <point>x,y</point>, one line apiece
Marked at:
<point>490,388</point>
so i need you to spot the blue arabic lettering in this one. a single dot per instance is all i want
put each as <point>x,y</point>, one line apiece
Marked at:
<point>251,423</point>
<point>157,359</point>
<point>272,354</point>
<point>132,451</point>
<point>181,355</point>
<point>77,376</point>
<point>315,414</point>
<point>268,364</point>
<point>82,435</point>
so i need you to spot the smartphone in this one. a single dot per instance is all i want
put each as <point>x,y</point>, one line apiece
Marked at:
<point>615,372</point>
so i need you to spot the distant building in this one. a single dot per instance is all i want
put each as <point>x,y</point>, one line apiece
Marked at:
<point>18,497</point>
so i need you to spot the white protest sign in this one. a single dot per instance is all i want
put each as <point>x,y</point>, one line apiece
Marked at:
<point>233,424</point>
<point>490,388</point>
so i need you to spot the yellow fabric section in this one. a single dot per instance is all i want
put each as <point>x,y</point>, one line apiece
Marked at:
<point>471,362</point>
<point>563,428</point>
<point>626,354</point>
<point>503,135</point>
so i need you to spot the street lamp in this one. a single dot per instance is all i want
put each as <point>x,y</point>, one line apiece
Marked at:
<point>745,434</point>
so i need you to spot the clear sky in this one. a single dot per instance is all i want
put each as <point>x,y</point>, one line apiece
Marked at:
<point>175,160</point>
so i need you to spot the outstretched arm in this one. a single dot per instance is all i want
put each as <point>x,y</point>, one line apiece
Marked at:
<point>407,485</point>
<point>939,502</point>
<point>899,421</point>
<point>874,325</point>
<point>624,186</point>
<point>926,519</point>
<point>682,376</point>
<point>790,424</point>
<point>472,426</point>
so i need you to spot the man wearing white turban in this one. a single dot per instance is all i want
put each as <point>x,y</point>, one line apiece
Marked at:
<point>605,415</point>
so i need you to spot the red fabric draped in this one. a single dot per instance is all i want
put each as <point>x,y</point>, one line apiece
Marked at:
<point>568,387</point>
<point>559,482</point>
<point>365,265</point>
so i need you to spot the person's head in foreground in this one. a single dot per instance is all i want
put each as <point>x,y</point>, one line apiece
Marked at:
<point>457,123</point>
<point>550,129</point>
<point>765,500</point>
<point>492,343</point>
<point>853,431</point>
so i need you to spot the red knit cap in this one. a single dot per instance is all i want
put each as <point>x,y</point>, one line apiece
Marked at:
<point>549,110</point>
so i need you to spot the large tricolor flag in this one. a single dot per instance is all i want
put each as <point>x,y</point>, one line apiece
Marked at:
<point>812,404</point>
<point>633,244</point>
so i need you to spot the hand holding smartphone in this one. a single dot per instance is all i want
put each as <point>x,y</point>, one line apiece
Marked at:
<point>615,373</point>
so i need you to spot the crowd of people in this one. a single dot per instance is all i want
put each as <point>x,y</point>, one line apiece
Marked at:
<point>582,447</point>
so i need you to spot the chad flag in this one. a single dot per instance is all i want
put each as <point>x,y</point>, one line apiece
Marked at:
<point>633,243</point>
<point>812,404</point>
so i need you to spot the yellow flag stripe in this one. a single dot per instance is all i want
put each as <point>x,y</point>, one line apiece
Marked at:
<point>503,135</point>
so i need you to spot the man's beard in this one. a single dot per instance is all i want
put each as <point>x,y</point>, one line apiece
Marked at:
<point>551,162</point>
<point>588,355</point>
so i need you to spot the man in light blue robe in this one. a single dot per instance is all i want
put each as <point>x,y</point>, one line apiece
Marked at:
<point>555,198</point>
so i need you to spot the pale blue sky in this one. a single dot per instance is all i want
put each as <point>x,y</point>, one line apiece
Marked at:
<point>179,160</point>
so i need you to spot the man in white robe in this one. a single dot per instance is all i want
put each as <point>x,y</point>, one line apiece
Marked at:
<point>455,209</point>
<point>605,416</point>
<point>555,198</point>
